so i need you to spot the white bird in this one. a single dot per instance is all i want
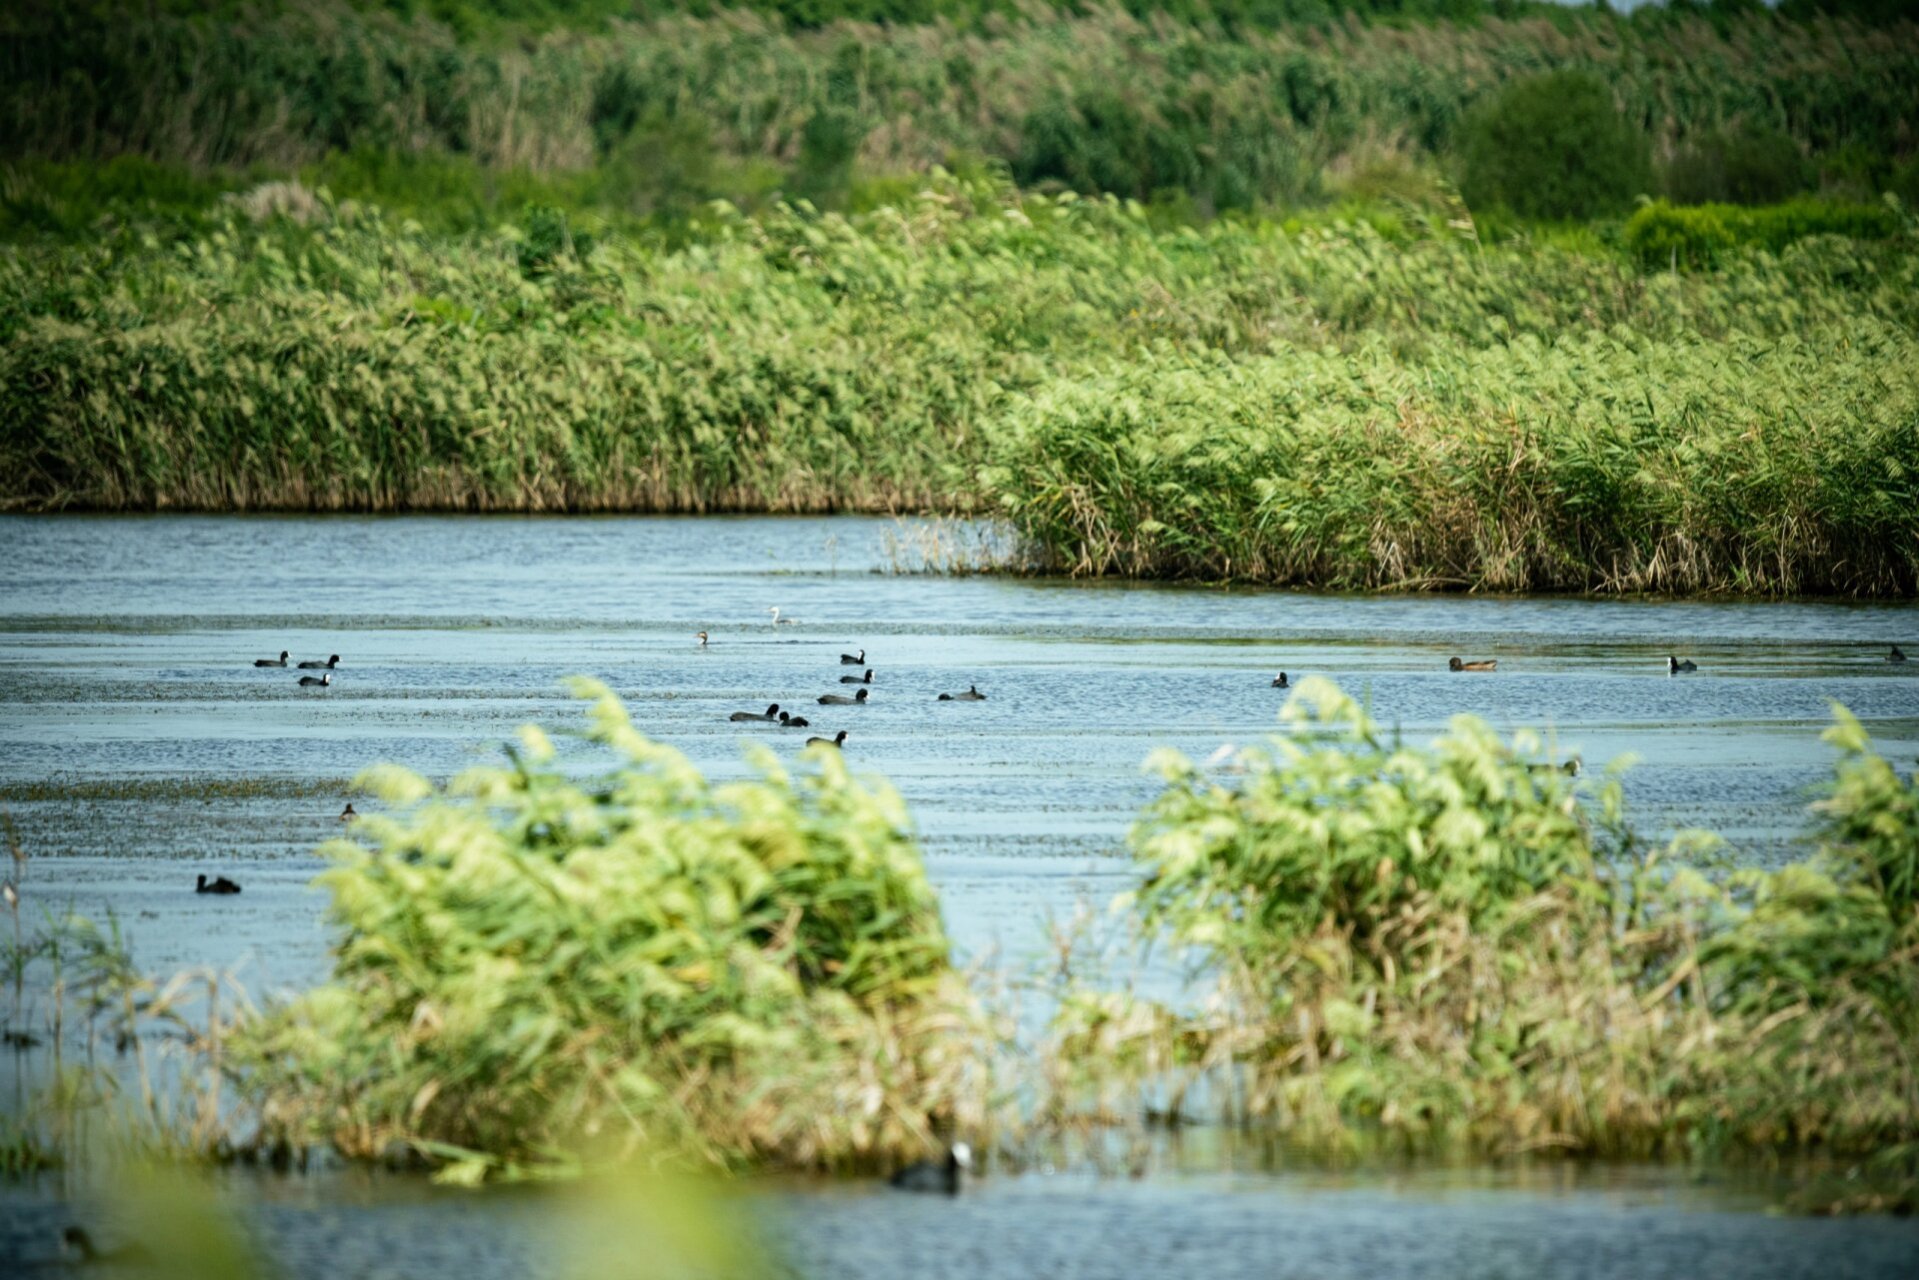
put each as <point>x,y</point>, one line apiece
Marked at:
<point>779,621</point>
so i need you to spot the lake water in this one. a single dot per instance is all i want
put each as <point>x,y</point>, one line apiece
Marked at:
<point>129,710</point>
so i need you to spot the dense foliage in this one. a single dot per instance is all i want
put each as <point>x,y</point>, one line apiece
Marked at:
<point>532,966</point>
<point>1553,146</point>
<point>662,115</point>
<point>1364,399</point>
<point>1437,947</point>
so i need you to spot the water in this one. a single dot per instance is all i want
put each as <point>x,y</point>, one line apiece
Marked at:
<point>128,698</point>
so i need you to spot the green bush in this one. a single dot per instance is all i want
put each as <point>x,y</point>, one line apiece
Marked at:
<point>1553,146</point>
<point>532,966</point>
<point>1437,947</point>
<point>1664,235</point>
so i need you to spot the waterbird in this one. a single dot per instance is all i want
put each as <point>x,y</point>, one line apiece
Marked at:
<point>328,665</point>
<point>972,694</point>
<point>837,740</point>
<point>742,717</point>
<point>1674,667</point>
<point>865,679</point>
<point>701,635</point>
<point>794,722</point>
<point>316,682</point>
<point>779,621</point>
<point>270,662</point>
<point>1570,768</point>
<point>841,700</point>
<point>942,1177</point>
<point>1480,664</point>
<point>1279,681</point>
<point>1897,655</point>
<point>220,885</point>
<point>347,814</point>
<point>848,660</point>
<point>75,1238</point>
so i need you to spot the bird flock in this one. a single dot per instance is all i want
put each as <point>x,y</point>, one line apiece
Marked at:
<point>860,697</point>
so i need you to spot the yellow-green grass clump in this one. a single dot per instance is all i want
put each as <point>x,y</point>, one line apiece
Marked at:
<point>1439,949</point>
<point>535,969</point>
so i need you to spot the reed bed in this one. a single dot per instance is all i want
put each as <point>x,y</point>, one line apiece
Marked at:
<point>1774,466</point>
<point>534,968</point>
<point>1436,949</point>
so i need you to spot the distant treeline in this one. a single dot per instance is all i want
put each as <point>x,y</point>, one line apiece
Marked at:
<point>1188,102</point>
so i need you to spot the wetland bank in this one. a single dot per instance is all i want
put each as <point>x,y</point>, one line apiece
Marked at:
<point>1096,360</point>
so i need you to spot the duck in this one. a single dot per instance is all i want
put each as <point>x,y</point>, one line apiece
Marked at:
<point>1279,681</point>
<point>837,740</point>
<point>865,679</point>
<point>972,694</point>
<point>76,1239</point>
<point>1897,655</point>
<point>848,660</point>
<point>347,814</point>
<point>941,1177</point>
<point>782,622</point>
<point>744,717</point>
<point>281,661</point>
<point>328,665</point>
<point>701,637</point>
<point>1478,664</point>
<point>794,722</point>
<point>219,885</point>
<point>1570,768</point>
<point>1674,667</point>
<point>841,700</point>
<point>320,682</point>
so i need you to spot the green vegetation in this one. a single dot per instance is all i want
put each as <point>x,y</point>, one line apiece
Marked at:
<point>1553,146</point>
<point>1437,948</point>
<point>533,968</point>
<point>1778,466</point>
<point>655,117</point>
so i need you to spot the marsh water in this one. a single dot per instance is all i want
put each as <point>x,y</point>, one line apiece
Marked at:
<point>139,746</point>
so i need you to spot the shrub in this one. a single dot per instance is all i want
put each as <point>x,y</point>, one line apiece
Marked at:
<point>1553,146</point>
<point>1438,946</point>
<point>532,966</point>
<point>1662,235</point>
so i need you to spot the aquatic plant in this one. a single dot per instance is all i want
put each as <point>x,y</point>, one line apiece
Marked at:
<point>1593,463</point>
<point>535,968</point>
<point>1439,948</point>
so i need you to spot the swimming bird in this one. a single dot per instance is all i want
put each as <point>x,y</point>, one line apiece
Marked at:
<point>220,885</point>
<point>865,679</point>
<point>848,660</point>
<point>75,1237</point>
<point>328,665</point>
<point>1481,664</point>
<point>972,694</point>
<point>794,722</point>
<point>841,700</point>
<point>347,814</point>
<point>702,638</point>
<point>779,621</point>
<point>1570,768</point>
<point>1897,655</point>
<point>310,682</point>
<point>942,1177</point>
<point>1674,667</point>
<point>1279,681</point>
<point>270,662</point>
<point>742,717</point>
<point>837,740</point>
